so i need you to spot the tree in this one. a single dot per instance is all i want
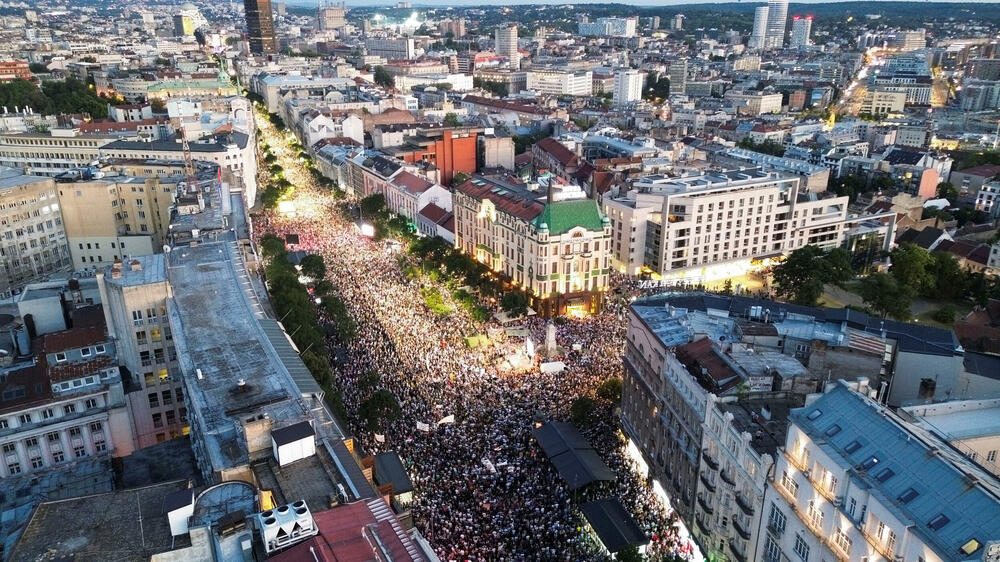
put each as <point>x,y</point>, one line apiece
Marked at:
<point>911,267</point>
<point>629,553</point>
<point>800,278</point>
<point>945,190</point>
<point>313,266</point>
<point>950,280</point>
<point>451,120</point>
<point>886,296</point>
<point>38,68</point>
<point>515,303</point>
<point>373,204</point>
<point>157,105</point>
<point>581,409</point>
<point>848,185</point>
<point>381,407</point>
<point>271,246</point>
<point>767,147</point>
<point>383,77</point>
<point>656,88</point>
<point>89,58</point>
<point>611,390</point>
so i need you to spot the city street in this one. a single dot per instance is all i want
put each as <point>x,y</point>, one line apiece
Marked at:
<point>484,490</point>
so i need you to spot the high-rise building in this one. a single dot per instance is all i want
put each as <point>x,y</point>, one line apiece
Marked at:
<point>506,44</point>
<point>332,17</point>
<point>183,25</point>
<point>801,28</point>
<point>260,27</point>
<point>678,76</point>
<point>628,87</point>
<point>677,22</point>
<point>759,28</point>
<point>777,14</point>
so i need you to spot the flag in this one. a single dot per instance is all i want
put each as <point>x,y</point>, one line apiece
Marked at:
<point>447,419</point>
<point>380,438</point>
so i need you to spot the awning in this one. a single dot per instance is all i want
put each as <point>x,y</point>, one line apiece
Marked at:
<point>572,455</point>
<point>614,526</point>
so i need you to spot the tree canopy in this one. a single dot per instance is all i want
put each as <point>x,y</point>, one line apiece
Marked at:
<point>800,278</point>
<point>886,296</point>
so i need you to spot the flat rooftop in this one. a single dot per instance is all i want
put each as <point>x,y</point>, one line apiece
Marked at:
<point>123,525</point>
<point>705,182</point>
<point>966,419</point>
<point>766,435</point>
<point>151,269</point>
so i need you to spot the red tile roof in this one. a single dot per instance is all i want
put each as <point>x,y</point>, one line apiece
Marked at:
<point>28,386</point>
<point>510,203</point>
<point>77,369</point>
<point>433,213</point>
<point>411,183</point>
<point>557,150</point>
<point>73,339</point>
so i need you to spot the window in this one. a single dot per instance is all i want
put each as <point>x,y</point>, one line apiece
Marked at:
<point>36,462</point>
<point>24,418</point>
<point>99,349</point>
<point>852,446</point>
<point>4,424</point>
<point>60,357</point>
<point>940,520</point>
<point>31,442</point>
<point>58,456</point>
<point>852,505</point>
<point>772,552</point>
<point>154,400</point>
<point>869,462</point>
<point>14,468</point>
<point>96,426</point>
<point>776,520</point>
<point>168,397</point>
<point>842,541</point>
<point>801,547</point>
<point>85,352</point>
<point>9,448</point>
<point>171,417</point>
<point>79,451</point>
<point>53,437</point>
<point>832,430</point>
<point>789,484</point>
<point>91,403</point>
<point>885,474</point>
<point>157,420</point>
<point>991,456</point>
<point>100,446</point>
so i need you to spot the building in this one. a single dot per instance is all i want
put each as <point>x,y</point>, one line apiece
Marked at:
<point>331,18</point>
<point>911,40</point>
<point>560,82</point>
<point>64,405</point>
<point>964,424</point>
<point>877,102</point>
<point>610,27</point>
<point>628,87</point>
<point>134,295</point>
<point>755,103</point>
<point>679,227</point>
<point>183,25</point>
<point>547,237</point>
<point>450,150</point>
<point>777,12</point>
<point>676,22</point>
<point>408,194</point>
<point>858,482</point>
<point>678,75</point>
<point>814,178</point>
<point>33,240</point>
<point>801,28</point>
<point>456,27</point>
<point>505,40</point>
<point>12,70</point>
<point>758,37</point>
<point>391,48</point>
<point>260,27</point>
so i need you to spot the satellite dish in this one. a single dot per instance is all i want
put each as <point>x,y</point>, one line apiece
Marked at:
<point>166,248</point>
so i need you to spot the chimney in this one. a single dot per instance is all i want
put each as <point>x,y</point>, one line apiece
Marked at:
<point>116,269</point>
<point>551,194</point>
<point>135,265</point>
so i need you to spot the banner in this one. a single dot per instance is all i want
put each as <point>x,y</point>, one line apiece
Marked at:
<point>380,438</point>
<point>489,465</point>
<point>423,427</point>
<point>447,419</point>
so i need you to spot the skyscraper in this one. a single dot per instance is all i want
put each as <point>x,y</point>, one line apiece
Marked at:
<point>777,14</point>
<point>506,44</point>
<point>801,28</point>
<point>759,28</point>
<point>628,86</point>
<point>260,26</point>
<point>331,16</point>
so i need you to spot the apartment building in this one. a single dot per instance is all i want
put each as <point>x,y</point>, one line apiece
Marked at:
<point>547,237</point>
<point>33,239</point>
<point>390,48</point>
<point>135,296</point>
<point>880,102</point>
<point>856,482</point>
<point>64,404</point>
<point>683,226</point>
<point>561,82</point>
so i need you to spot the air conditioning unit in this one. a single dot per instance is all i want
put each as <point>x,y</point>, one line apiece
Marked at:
<point>838,501</point>
<point>286,525</point>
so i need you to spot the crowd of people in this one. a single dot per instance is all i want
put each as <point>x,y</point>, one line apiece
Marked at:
<point>483,488</point>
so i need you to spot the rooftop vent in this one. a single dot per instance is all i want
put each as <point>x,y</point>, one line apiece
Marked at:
<point>286,525</point>
<point>135,265</point>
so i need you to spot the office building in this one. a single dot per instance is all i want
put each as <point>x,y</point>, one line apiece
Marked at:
<point>183,25</point>
<point>676,22</point>
<point>678,74</point>
<point>717,224</point>
<point>331,17</point>
<point>610,27</point>
<point>628,87</point>
<point>546,237</point>
<point>758,37</point>
<point>777,13</point>
<point>560,82</point>
<point>505,40</point>
<point>260,27</point>
<point>857,482</point>
<point>33,241</point>
<point>391,48</point>
<point>801,28</point>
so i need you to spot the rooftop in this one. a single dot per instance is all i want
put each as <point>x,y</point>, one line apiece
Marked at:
<point>765,420</point>
<point>926,477</point>
<point>128,523</point>
<point>152,269</point>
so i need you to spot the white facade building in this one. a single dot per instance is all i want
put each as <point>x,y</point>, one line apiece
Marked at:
<point>801,29</point>
<point>561,82</point>
<point>628,87</point>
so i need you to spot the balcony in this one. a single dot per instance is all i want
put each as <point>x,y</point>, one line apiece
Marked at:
<point>727,477</point>
<point>744,504</point>
<point>701,525</point>
<point>708,484</point>
<point>741,530</point>
<point>738,554</point>
<point>796,461</point>
<point>877,544</point>
<point>710,460</point>
<point>705,505</point>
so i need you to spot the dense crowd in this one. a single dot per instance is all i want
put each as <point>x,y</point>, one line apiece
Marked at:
<point>483,489</point>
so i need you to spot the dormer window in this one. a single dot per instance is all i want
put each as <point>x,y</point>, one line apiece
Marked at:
<point>60,357</point>
<point>85,352</point>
